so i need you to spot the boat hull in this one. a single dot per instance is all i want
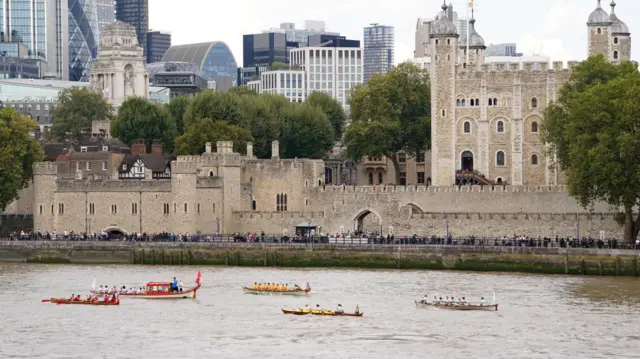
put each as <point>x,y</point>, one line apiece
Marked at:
<point>492,307</point>
<point>297,293</point>
<point>81,302</point>
<point>325,314</point>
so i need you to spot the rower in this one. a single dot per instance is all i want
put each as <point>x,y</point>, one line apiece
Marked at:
<point>464,301</point>
<point>339,310</point>
<point>458,301</point>
<point>446,302</point>
<point>286,287</point>
<point>425,300</point>
<point>357,309</point>
<point>174,284</point>
<point>255,285</point>
<point>482,301</point>
<point>435,300</point>
<point>73,295</point>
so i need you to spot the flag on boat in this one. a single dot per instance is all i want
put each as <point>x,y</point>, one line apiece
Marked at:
<point>308,287</point>
<point>494,298</point>
<point>93,285</point>
<point>198,277</point>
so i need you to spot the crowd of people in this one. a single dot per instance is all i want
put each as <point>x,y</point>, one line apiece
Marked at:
<point>449,301</point>
<point>94,298</point>
<point>272,287</point>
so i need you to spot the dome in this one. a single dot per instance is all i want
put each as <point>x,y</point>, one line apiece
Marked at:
<point>475,40</point>
<point>443,26</point>
<point>599,16</point>
<point>617,26</point>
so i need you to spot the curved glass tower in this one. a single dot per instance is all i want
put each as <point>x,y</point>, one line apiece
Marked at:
<point>83,38</point>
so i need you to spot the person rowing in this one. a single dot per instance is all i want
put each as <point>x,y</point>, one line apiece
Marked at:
<point>482,302</point>
<point>357,309</point>
<point>464,301</point>
<point>425,300</point>
<point>305,309</point>
<point>339,310</point>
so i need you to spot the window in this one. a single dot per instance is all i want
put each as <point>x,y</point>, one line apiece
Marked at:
<point>477,102</point>
<point>198,208</point>
<point>114,209</point>
<point>490,102</point>
<point>185,208</point>
<point>370,178</point>
<point>437,41</point>
<point>534,103</point>
<point>500,127</point>
<point>88,166</point>
<point>615,40</point>
<point>83,149</point>
<point>615,55</point>
<point>165,209</point>
<point>420,157</point>
<point>281,202</point>
<point>214,208</point>
<point>467,127</point>
<point>534,159</point>
<point>420,177</point>
<point>402,158</point>
<point>403,178</point>
<point>495,101</point>
<point>134,208</point>
<point>105,148</point>
<point>104,165</point>
<point>40,209</point>
<point>472,102</point>
<point>52,209</point>
<point>92,208</point>
<point>380,177</point>
<point>534,127</point>
<point>443,113</point>
<point>175,208</point>
<point>599,31</point>
<point>463,103</point>
<point>500,158</point>
<point>448,41</point>
<point>78,165</point>
<point>458,102</point>
<point>60,208</point>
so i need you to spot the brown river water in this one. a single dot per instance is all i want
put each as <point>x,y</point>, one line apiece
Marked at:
<point>539,316</point>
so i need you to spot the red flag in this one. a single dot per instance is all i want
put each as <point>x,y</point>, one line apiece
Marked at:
<point>308,287</point>
<point>198,277</point>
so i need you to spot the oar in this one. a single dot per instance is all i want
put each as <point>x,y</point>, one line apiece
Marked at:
<point>46,300</point>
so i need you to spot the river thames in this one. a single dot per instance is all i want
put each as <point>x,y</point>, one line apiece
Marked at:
<point>539,317</point>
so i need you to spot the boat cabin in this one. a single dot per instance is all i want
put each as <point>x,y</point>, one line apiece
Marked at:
<point>158,288</point>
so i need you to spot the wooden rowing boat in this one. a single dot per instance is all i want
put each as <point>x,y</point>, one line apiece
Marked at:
<point>84,302</point>
<point>299,293</point>
<point>491,307</point>
<point>328,313</point>
<point>162,290</point>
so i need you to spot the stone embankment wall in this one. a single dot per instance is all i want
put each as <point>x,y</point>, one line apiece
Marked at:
<point>474,258</point>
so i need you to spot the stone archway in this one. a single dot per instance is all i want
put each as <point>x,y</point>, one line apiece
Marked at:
<point>466,161</point>
<point>367,221</point>
<point>114,232</point>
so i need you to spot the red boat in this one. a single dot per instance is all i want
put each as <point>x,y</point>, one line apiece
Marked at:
<point>162,290</point>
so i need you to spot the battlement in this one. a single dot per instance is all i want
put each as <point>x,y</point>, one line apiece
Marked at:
<point>303,216</point>
<point>45,168</point>
<point>277,164</point>
<point>114,186</point>
<point>449,189</point>
<point>209,182</point>
<point>184,167</point>
<point>523,216</point>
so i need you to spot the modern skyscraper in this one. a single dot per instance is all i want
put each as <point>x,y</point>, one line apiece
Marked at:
<point>506,49</point>
<point>158,43</point>
<point>136,13</point>
<point>43,27</point>
<point>378,50</point>
<point>83,38</point>
<point>311,27</point>
<point>106,13</point>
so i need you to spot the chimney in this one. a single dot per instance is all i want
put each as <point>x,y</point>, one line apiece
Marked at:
<point>207,147</point>
<point>275,149</point>
<point>250,149</point>
<point>138,147</point>
<point>156,147</point>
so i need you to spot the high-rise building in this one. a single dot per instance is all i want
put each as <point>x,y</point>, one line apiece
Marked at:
<point>43,27</point>
<point>136,13</point>
<point>506,49</point>
<point>378,50</point>
<point>83,38</point>
<point>158,43</point>
<point>106,13</point>
<point>311,27</point>
<point>423,29</point>
<point>265,49</point>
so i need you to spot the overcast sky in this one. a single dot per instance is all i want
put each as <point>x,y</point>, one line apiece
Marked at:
<point>555,28</point>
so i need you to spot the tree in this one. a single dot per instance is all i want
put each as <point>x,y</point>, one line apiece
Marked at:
<point>242,91</point>
<point>333,110</point>
<point>306,133</point>
<point>594,129</point>
<point>214,105</point>
<point>282,66</point>
<point>264,115</point>
<point>391,113</point>
<point>18,153</point>
<point>205,130</point>
<point>177,108</point>
<point>77,107</point>
<point>140,119</point>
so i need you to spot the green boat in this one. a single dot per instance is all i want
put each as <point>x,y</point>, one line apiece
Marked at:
<point>299,293</point>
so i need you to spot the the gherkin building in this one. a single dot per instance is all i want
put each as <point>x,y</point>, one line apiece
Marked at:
<point>83,38</point>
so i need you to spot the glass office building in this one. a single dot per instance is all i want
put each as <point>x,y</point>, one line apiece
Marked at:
<point>106,13</point>
<point>83,38</point>
<point>158,43</point>
<point>136,13</point>
<point>214,59</point>
<point>378,50</point>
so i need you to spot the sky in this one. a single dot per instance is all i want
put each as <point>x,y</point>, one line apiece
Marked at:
<point>553,28</point>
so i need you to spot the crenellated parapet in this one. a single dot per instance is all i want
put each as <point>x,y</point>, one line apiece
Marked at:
<point>451,189</point>
<point>113,186</point>
<point>45,168</point>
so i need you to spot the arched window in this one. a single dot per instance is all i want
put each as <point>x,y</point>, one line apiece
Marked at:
<point>477,102</point>
<point>534,103</point>
<point>615,55</point>
<point>490,102</point>
<point>463,103</point>
<point>370,178</point>
<point>495,101</point>
<point>615,40</point>
<point>438,41</point>
<point>380,177</point>
<point>467,127</point>
<point>278,203</point>
<point>210,173</point>
<point>458,102</point>
<point>444,113</point>
<point>500,127</point>
<point>534,126</point>
<point>448,57</point>
<point>471,102</point>
<point>500,158</point>
<point>464,65</point>
<point>448,41</point>
<point>534,159</point>
<point>254,205</point>
<point>599,31</point>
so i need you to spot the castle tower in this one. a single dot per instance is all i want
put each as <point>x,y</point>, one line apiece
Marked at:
<point>45,208</point>
<point>120,71</point>
<point>599,32</point>
<point>476,46</point>
<point>620,37</point>
<point>444,46</point>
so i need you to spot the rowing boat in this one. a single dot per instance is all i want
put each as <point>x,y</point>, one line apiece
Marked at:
<point>85,302</point>
<point>163,290</point>
<point>299,293</point>
<point>491,307</point>
<point>328,313</point>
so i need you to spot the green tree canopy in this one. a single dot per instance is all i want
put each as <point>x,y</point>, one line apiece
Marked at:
<point>18,153</point>
<point>214,105</point>
<point>140,119</point>
<point>594,131</point>
<point>306,133</point>
<point>205,130</point>
<point>177,108</point>
<point>265,117</point>
<point>332,108</point>
<point>391,113</point>
<point>242,91</point>
<point>77,107</point>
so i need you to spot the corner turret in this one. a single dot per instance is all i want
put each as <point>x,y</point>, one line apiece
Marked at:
<point>599,32</point>
<point>476,45</point>
<point>620,37</point>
